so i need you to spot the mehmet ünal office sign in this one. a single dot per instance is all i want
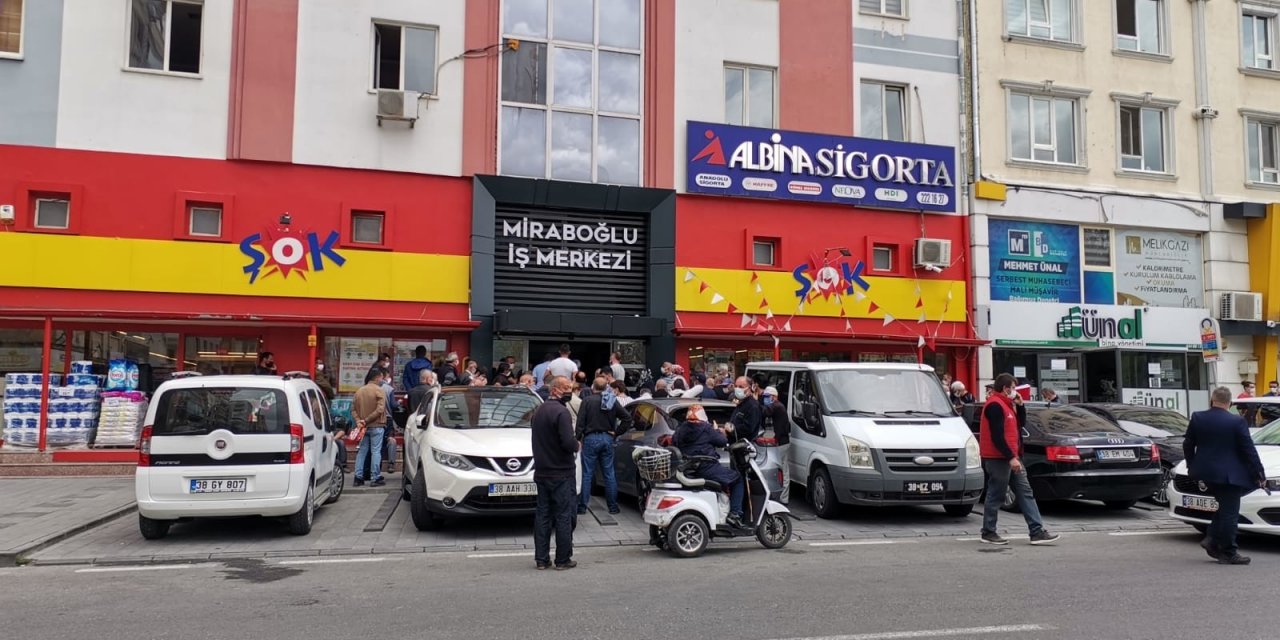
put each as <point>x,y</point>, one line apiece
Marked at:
<point>610,249</point>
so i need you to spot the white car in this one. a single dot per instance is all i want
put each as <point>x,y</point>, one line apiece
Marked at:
<point>469,452</point>
<point>1189,499</point>
<point>216,446</point>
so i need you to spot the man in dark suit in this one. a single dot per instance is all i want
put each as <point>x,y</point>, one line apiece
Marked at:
<point>1221,454</point>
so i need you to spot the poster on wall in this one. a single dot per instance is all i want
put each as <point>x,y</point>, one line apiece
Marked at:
<point>1034,261</point>
<point>357,357</point>
<point>1159,269</point>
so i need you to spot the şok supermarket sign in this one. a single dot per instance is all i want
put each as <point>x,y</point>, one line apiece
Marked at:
<point>769,163</point>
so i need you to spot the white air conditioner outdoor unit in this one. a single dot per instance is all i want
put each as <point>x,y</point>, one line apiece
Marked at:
<point>933,253</point>
<point>1240,305</point>
<point>398,105</point>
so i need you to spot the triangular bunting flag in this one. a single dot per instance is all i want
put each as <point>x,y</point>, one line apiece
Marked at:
<point>754,276</point>
<point>842,313</point>
<point>920,343</point>
<point>922,317</point>
<point>932,344</point>
<point>786,326</point>
<point>917,288</point>
<point>873,308</point>
<point>888,319</point>
<point>688,275</point>
<point>732,309</point>
<point>717,299</point>
<point>950,293</point>
<point>800,307</point>
<point>859,296</point>
<point>759,289</point>
<point>769,314</point>
<point>848,326</point>
<point>703,286</point>
<point>746,320</point>
<point>764,304</point>
<point>776,342</point>
<point>919,302</point>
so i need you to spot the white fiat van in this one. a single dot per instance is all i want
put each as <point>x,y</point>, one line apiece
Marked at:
<point>874,434</point>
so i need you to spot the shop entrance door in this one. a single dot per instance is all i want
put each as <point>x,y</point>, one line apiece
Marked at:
<point>591,354</point>
<point>1101,377</point>
<point>1062,372</point>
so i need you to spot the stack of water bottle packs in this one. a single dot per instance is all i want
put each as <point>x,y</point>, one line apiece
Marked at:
<point>121,419</point>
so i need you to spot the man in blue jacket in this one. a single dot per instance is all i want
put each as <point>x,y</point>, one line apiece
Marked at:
<point>413,369</point>
<point>1220,453</point>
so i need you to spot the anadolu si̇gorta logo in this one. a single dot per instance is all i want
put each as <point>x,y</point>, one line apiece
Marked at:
<point>285,251</point>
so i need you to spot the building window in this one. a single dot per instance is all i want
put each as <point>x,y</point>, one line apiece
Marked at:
<point>165,35</point>
<point>1258,35</point>
<point>53,212</point>
<point>748,95</point>
<point>11,27</point>
<point>883,111</point>
<point>893,8</point>
<point>1140,25</point>
<point>204,220</point>
<point>404,57</point>
<point>1143,139</point>
<point>1041,19</point>
<point>367,227</point>
<point>1263,145</point>
<point>1043,128</point>
<point>571,90</point>
<point>883,257</point>
<point>764,252</point>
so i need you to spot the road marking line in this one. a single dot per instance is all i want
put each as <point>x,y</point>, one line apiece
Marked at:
<point>154,567</point>
<point>850,543</point>
<point>935,633</point>
<point>1150,533</point>
<point>515,554</point>
<point>332,561</point>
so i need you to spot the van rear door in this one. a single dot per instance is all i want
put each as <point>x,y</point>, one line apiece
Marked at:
<point>220,443</point>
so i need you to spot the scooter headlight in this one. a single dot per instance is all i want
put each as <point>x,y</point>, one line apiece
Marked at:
<point>859,453</point>
<point>972,454</point>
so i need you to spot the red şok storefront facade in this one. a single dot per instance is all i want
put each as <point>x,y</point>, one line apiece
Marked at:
<point>198,265</point>
<point>797,274</point>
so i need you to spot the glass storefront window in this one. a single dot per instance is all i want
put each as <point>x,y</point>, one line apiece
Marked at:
<point>348,359</point>
<point>1153,370</point>
<point>213,355</point>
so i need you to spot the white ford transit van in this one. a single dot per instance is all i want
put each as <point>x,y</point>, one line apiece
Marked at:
<point>874,434</point>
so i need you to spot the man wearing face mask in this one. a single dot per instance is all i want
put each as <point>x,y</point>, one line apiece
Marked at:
<point>776,415</point>
<point>697,437</point>
<point>747,417</point>
<point>1000,441</point>
<point>554,471</point>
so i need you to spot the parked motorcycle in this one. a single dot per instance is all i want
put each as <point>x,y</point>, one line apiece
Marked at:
<point>685,512</point>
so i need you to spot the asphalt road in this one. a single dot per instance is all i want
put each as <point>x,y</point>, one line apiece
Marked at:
<point>1090,585</point>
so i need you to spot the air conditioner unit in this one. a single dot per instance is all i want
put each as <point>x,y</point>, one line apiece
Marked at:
<point>933,253</point>
<point>1240,305</point>
<point>398,105</point>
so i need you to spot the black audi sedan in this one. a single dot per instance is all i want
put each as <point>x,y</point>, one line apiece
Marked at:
<point>1074,454</point>
<point>1164,427</point>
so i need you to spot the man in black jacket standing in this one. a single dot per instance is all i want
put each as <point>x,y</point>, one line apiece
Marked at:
<point>598,422</point>
<point>1221,455</point>
<point>554,449</point>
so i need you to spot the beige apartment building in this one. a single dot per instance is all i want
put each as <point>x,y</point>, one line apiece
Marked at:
<point>1123,157</point>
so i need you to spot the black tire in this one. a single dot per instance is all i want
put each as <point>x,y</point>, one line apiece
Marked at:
<point>423,519</point>
<point>688,535</point>
<point>405,494</point>
<point>822,495</point>
<point>337,483</point>
<point>152,529</point>
<point>1161,496</point>
<point>1202,528</point>
<point>300,522</point>
<point>1119,505</point>
<point>774,531</point>
<point>404,472</point>
<point>958,510</point>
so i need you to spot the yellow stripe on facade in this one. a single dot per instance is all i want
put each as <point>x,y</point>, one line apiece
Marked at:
<point>168,266</point>
<point>895,296</point>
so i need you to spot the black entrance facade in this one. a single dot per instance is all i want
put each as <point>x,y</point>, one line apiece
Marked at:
<point>564,262</point>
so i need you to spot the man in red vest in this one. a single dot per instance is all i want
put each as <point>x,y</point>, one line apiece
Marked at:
<point>1000,440</point>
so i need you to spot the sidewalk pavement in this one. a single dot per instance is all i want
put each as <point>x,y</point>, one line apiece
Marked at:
<point>375,521</point>
<point>38,512</point>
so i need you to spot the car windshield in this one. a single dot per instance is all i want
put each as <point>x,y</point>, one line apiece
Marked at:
<point>1268,435</point>
<point>1151,423</point>
<point>890,392</point>
<point>198,411</point>
<point>483,408</point>
<point>1068,420</point>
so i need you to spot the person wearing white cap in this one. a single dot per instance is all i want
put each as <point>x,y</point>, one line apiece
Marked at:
<point>775,414</point>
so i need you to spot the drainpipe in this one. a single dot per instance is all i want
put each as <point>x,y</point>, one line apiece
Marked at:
<point>971,130</point>
<point>1204,113</point>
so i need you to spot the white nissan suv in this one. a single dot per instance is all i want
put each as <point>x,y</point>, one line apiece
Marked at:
<point>1191,502</point>
<point>236,446</point>
<point>468,452</point>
